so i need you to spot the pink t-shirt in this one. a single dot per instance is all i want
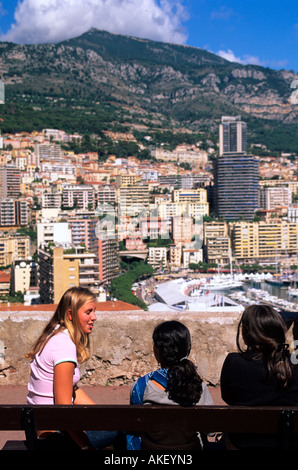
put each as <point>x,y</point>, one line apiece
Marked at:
<point>59,348</point>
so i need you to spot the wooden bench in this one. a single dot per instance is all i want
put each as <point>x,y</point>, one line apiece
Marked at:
<point>273,420</point>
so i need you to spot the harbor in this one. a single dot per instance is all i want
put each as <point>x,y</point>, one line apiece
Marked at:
<point>223,292</point>
<point>267,292</point>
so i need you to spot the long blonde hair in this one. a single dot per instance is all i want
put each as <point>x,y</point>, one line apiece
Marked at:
<point>72,300</point>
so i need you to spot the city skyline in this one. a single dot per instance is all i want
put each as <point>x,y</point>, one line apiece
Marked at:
<point>61,215</point>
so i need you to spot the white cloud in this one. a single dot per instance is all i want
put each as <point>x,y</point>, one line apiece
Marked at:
<point>229,55</point>
<point>251,59</point>
<point>246,59</point>
<point>38,21</point>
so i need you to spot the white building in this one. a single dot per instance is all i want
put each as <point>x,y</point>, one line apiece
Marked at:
<point>78,196</point>
<point>53,232</point>
<point>293,213</point>
<point>157,256</point>
<point>274,197</point>
<point>191,256</point>
<point>51,200</point>
<point>23,275</point>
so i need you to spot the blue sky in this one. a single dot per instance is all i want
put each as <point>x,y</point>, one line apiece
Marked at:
<point>263,32</point>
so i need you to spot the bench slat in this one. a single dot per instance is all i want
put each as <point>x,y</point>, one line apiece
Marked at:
<point>148,417</point>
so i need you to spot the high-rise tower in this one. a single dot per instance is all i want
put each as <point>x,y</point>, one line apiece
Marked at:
<point>232,135</point>
<point>10,182</point>
<point>236,174</point>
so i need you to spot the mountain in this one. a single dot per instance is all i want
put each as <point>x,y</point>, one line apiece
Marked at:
<point>136,81</point>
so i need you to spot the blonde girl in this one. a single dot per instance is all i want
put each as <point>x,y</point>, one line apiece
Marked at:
<point>55,358</point>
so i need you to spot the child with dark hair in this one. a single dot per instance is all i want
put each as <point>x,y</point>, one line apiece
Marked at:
<point>176,382</point>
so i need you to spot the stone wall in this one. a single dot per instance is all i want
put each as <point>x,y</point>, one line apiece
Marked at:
<point>121,344</point>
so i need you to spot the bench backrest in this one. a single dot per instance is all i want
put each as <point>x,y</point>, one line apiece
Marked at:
<point>237,419</point>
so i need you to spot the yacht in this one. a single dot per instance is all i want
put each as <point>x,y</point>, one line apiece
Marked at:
<point>222,283</point>
<point>293,291</point>
<point>293,288</point>
<point>274,281</point>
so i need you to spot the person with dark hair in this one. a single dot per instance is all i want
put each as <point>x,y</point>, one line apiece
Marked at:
<point>261,372</point>
<point>176,382</point>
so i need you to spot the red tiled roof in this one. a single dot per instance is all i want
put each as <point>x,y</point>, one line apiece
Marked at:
<point>109,305</point>
<point>5,277</point>
<point>116,305</point>
<point>14,307</point>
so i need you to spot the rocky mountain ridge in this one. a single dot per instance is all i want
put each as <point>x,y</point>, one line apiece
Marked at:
<point>191,86</point>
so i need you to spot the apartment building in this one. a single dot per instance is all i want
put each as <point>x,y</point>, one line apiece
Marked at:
<point>47,151</point>
<point>10,182</point>
<point>53,232</point>
<point>214,229</point>
<point>192,155</point>
<point>63,267</point>
<point>106,194</point>
<point>217,243</point>
<point>274,197</point>
<point>108,259</point>
<point>58,168</point>
<point>232,135</point>
<point>133,200</point>
<point>190,255</point>
<point>186,181</point>
<point>127,179</point>
<point>218,251</point>
<point>264,242</point>
<point>157,257</point>
<point>168,210</point>
<point>153,227</point>
<point>51,200</point>
<point>292,185</point>
<point>175,256</point>
<point>198,195</point>
<point>293,213</point>
<point>83,232</point>
<point>21,162</point>
<point>236,174</point>
<point>14,212</point>
<point>23,275</point>
<point>78,196</point>
<point>135,243</point>
<point>150,175</point>
<point>245,239</point>
<point>5,279</point>
<point>4,156</point>
<point>12,248</point>
<point>236,186</point>
<point>33,162</point>
<point>182,230</point>
<point>55,134</point>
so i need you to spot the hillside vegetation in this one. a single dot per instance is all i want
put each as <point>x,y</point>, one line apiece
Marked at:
<point>101,81</point>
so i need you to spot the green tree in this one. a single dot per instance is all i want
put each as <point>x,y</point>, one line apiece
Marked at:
<point>121,286</point>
